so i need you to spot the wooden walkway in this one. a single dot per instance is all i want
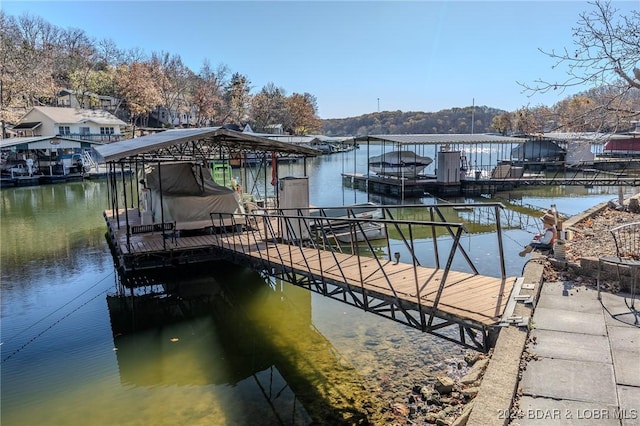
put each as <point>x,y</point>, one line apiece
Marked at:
<point>478,298</point>
<point>430,299</point>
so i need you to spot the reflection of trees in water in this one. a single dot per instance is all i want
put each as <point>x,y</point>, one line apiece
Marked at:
<point>54,224</point>
<point>238,330</point>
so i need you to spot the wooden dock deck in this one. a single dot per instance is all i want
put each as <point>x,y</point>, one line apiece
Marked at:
<point>428,298</point>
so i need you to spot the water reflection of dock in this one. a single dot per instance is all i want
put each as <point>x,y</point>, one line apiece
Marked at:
<point>268,351</point>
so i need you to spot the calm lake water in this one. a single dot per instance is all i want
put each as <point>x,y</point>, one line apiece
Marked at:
<point>253,351</point>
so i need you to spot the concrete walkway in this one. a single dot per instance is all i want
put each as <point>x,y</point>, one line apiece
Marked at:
<point>584,365</point>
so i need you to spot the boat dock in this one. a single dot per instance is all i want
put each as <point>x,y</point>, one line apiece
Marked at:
<point>398,187</point>
<point>463,307</point>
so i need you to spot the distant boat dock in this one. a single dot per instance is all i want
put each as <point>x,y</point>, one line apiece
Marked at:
<point>470,164</point>
<point>404,187</point>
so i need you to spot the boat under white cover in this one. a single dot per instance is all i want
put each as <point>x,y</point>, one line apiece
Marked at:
<point>399,163</point>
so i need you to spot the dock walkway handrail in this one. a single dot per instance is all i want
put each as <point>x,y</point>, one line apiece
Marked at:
<point>301,239</point>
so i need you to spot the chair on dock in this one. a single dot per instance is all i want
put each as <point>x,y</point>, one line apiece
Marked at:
<point>627,241</point>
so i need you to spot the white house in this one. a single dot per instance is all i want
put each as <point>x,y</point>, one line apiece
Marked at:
<point>84,124</point>
<point>175,118</point>
<point>69,98</point>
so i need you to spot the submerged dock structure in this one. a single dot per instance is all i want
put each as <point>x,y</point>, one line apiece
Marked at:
<point>417,274</point>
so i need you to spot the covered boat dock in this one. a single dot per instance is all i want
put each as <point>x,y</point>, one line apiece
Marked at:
<point>44,159</point>
<point>456,158</point>
<point>298,245</point>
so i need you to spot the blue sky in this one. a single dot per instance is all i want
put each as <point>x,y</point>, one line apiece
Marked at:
<point>355,57</point>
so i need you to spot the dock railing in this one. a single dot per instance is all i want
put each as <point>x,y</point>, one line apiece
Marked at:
<point>302,241</point>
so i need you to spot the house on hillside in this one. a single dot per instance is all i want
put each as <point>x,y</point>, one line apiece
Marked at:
<point>72,99</point>
<point>185,116</point>
<point>74,123</point>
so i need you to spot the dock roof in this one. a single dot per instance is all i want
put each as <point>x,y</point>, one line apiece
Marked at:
<point>439,139</point>
<point>238,141</point>
<point>45,142</point>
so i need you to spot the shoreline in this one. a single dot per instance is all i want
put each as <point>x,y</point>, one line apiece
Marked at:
<point>499,388</point>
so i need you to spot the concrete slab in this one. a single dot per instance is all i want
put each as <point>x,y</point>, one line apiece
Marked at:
<point>575,346</point>
<point>569,379</point>
<point>557,295</point>
<point>546,411</point>
<point>570,321</point>
<point>614,305</point>
<point>500,380</point>
<point>627,368</point>
<point>625,339</point>
<point>629,405</point>
<point>625,345</point>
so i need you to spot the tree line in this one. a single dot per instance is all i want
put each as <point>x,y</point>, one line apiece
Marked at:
<point>38,60</point>
<point>470,119</point>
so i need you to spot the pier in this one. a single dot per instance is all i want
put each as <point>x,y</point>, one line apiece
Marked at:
<point>299,246</point>
<point>483,164</point>
<point>415,272</point>
<point>407,188</point>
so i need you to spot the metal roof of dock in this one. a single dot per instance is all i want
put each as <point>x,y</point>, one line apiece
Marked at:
<point>215,135</point>
<point>439,139</point>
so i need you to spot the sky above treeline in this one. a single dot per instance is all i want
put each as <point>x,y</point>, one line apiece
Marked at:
<point>356,57</point>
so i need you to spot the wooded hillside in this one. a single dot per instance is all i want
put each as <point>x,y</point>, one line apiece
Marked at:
<point>454,120</point>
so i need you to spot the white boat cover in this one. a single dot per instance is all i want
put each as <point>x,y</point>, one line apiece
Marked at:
<point>189,195</point>
<point>400,158</point>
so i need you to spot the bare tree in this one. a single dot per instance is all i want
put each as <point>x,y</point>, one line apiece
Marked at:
<point>606,54</point>
<point>37,51</point>
<point>207,95</point>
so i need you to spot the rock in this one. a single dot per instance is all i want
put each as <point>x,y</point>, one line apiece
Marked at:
<point>425,391</point>
<point>430,418</point>
<point>444,384</point>
<point>476,372</point>
<point>443,422</point>
<point>400,409</point>
<point>470,392</point>
<point>464,416</point>
<point>471,357</point>
<point>433,398</point>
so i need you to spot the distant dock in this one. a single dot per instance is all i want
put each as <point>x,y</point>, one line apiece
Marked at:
<point>398,187</point>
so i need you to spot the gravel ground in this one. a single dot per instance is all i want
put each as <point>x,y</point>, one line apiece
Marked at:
<point>592,238</point>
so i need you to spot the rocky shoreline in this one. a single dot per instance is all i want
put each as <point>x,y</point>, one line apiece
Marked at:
<point>444,398</point>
